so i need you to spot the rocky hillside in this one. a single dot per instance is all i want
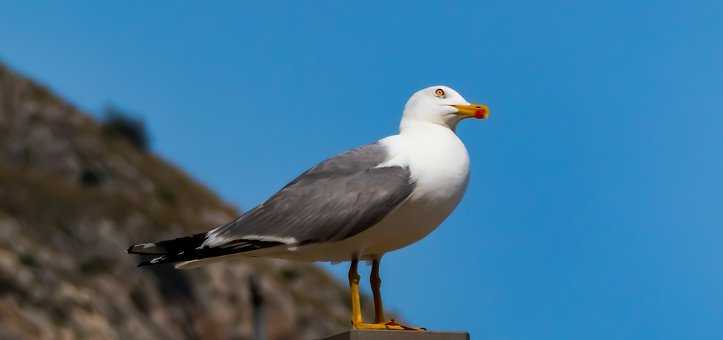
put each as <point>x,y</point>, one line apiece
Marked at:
<point>74,195</point>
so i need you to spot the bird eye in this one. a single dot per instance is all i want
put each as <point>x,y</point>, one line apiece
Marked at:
<point>439,93</point>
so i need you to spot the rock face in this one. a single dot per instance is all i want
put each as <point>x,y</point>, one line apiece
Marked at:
<point>73,197</point>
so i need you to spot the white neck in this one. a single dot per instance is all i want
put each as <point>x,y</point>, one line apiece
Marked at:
<point>410,123</point>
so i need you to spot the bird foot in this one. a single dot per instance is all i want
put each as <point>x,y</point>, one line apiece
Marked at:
<point>389,325</point>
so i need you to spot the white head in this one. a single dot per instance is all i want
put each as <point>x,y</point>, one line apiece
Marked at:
<point>440,105</point>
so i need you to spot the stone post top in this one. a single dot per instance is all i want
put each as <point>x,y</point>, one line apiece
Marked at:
<point>397,335</point>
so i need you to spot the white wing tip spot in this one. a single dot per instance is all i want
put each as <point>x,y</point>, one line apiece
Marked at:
<point>214,241</point>
<point>270,238</point>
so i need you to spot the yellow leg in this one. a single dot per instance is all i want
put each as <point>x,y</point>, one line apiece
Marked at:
<point>356,316</point>
<point>376,281</point>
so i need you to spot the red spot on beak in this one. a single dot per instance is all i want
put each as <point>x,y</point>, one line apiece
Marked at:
<point>481,113</point>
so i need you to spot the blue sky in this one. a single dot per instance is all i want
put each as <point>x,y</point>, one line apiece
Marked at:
<point>595,208</point>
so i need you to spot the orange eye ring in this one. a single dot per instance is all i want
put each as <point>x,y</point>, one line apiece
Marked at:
<point>439,93</point>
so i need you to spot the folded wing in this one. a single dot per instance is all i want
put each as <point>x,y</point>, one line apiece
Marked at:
<point>332,201</point>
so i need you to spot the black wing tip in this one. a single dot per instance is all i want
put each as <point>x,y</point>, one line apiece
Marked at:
<point>168,251</point>
<point>191,248</point>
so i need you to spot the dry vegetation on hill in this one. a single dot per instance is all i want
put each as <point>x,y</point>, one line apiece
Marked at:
<point>73,197</point>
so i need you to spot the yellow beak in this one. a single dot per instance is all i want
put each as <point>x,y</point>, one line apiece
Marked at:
<point>479,111</point>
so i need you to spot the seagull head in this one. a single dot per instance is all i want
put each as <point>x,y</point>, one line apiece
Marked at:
<point>441,105</point>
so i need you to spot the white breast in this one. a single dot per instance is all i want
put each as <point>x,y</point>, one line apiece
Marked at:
<point>436,157</point>
<point>439,165</point>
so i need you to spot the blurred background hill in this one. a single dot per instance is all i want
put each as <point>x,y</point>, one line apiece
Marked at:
<point>75,192</point>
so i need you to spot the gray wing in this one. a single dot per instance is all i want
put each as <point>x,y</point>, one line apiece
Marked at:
<point>334,200</point>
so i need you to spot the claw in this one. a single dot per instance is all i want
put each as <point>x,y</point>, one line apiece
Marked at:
<point>393,323</point>
<point>389,325</point>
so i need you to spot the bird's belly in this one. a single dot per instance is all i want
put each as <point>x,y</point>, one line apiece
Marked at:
<point>409,223</point>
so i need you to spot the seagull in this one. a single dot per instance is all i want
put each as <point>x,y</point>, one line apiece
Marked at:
<point>355,206</point>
